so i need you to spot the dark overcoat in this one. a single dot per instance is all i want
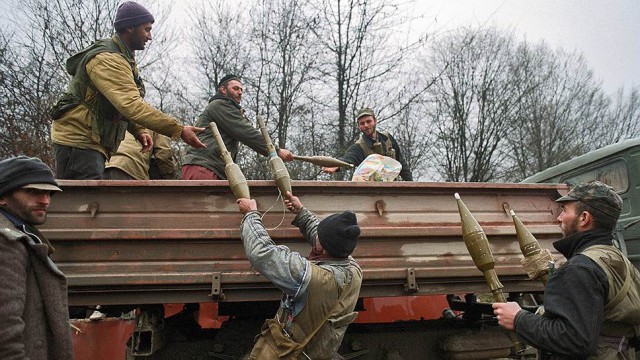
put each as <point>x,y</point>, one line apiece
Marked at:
<point>34,313</point>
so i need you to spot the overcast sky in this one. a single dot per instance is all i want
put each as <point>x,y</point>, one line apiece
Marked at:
<point>607,32</point>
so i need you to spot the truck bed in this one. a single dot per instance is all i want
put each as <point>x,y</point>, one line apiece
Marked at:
<point>147,242</point>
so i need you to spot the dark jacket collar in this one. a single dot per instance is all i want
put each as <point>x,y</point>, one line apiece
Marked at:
<point>577,242</point>
<point>219,95</point>
<point>370,141</point>
<point>27,229</point>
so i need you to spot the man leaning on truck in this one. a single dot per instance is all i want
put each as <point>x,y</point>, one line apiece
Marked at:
<point>104,99</point>
<point>33,291</point>
<point>320,293</point>
<point>592,302</point>
<point>225,111</point>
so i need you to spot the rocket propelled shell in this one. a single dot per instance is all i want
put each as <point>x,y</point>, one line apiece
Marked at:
<point>536,260</point>
<point>237,181</point>
<point>278,170</point>
<point>478,245</point>
<point>320,160</point>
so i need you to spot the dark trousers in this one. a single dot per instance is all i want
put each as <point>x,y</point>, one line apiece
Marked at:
<point>78,164</point>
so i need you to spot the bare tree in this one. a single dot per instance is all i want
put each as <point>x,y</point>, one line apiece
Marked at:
<point>503,112</point>
<point>561,118</point>
<point>63,27</point>
<point>361,62</point>
<point>219,42</point>
<point>286,58</point>
<point>26,86</point>
<point>623,120</point>
<point>473,102</point>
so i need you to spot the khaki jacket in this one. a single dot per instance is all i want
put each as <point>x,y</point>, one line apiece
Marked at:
<point>110,73</point>
<point>622,311</point>
<point>323,292</point>
<point>131,160</point>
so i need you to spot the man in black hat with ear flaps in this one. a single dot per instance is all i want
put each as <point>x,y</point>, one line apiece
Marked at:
<point>33,291</point>
<point>320,293</point>
<point>104,100</point>
<point>592,302</point>
<point>225,111</point>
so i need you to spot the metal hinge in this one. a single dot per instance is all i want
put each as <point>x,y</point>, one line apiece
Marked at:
<point>411,286</point>
<point>216,286</point>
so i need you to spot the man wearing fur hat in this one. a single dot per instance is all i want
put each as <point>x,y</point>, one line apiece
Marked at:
<point>320,293</point>
<point>33,291</point>
<point>592,302</point>
<point>105,99</point>
<point>225,111</point>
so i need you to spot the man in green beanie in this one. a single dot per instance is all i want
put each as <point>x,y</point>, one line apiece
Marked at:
<point>104,100</point>
<point>592,302</point>
<point>33,291</point>
<point>319,293</point>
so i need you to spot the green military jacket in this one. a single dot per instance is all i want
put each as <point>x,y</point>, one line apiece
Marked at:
<point>234,129</point>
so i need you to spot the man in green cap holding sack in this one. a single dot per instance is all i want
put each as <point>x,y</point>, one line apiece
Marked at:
<point>371,142</point>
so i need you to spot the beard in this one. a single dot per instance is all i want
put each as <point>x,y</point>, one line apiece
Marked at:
<point>570,228</point>
<point>139,45</point>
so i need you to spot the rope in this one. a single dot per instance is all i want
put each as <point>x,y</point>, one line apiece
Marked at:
<point>284,207</point>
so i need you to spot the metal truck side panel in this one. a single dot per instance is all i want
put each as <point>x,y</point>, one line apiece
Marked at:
<point>145,242</point>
